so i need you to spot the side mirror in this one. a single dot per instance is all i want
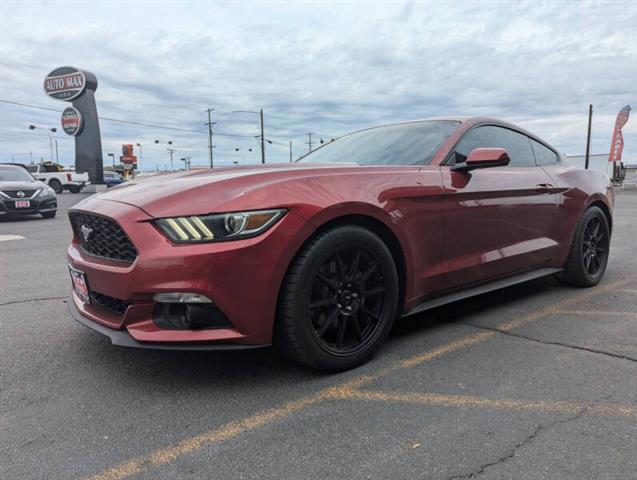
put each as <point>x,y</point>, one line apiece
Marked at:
<point>484,158</point>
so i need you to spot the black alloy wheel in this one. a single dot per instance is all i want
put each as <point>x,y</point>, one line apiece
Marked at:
<point>346,300</point>
<point>339,299</point>
<point>594,246</point>
<point>590,250</point>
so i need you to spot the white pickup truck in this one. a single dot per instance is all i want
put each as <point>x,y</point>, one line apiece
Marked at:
<point>58,179</point>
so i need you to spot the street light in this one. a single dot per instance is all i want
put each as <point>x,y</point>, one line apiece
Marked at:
<point>171,151</point>
<point>186,161</point>
<point>139,164</point>
<point>271,142</point>
<point>260,113</point>
<point>48,130</point>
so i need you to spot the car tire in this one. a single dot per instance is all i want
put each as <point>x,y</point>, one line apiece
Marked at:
<point>75,189</point>
<point>55,185</point>
<point>588,257</point>
<point>338,300</point>
<point>49,214</point>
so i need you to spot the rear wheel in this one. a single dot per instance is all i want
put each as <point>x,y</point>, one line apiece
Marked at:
<point>588,257</point>
<point>339,300</point>
<point>56,185</point>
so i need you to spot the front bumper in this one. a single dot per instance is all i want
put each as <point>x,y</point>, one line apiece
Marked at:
<point>38,205</point>
<point>241,277</point>
<point>123,339</point>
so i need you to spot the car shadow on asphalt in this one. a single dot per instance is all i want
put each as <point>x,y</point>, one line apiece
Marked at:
<point>268,367</point>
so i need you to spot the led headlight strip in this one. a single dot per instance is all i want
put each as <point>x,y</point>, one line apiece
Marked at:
<point>220,227</point>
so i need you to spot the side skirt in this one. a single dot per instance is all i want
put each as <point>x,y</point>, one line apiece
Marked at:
<point>483,288</point>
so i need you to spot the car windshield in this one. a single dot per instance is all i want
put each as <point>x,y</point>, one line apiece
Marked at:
<point>14,174</point>
<point>413,143</point>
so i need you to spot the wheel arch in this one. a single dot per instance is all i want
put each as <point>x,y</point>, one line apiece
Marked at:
<point>604,208</point>
<point>378,227</point>
<point>385,233</point>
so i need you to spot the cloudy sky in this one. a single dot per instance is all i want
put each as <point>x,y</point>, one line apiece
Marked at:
<point>321,67</point>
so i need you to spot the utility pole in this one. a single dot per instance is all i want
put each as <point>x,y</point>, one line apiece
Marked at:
<point>210,124</point>
<point>57,159</point>
<point>310,143</point>
<point>171,151</point>
<point>262,138</point>
<point>588,137</point>
<point>290,151</point>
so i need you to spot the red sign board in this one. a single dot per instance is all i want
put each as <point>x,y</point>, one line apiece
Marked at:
<point>71,121</point>
<point>65,83</point>
<point>128,155</point>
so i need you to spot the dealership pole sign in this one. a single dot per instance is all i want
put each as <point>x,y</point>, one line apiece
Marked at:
<point>71,84</point>
<point>72,121</point>
<point>65,83</point>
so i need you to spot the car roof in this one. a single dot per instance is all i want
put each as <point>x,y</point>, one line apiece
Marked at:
<point>468,122</point>
<point>15,165</point>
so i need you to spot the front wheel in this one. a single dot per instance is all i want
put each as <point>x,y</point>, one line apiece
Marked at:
<point>56,185</point>
<point>588,257</point>
<point>75,189</point>
<point>339,300</point>
<point>49,214</point>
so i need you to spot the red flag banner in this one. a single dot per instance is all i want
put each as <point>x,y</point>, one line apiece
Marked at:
<point>617,144</point>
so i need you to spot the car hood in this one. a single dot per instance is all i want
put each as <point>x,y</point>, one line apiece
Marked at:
<point>226,189</point>
<point>12,186</point>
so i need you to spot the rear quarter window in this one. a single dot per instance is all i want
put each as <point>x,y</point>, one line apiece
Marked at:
<point>543,155</point>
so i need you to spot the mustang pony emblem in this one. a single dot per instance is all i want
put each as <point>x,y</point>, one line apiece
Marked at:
<point>86,232</point>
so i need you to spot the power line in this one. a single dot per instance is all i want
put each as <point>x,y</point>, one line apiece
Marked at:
<point>129,122</point>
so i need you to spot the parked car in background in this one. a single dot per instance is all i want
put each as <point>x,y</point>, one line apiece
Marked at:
<point>22,194</point>
<point>112,178</point>
<point>320,257</point>
<point>58,179</point>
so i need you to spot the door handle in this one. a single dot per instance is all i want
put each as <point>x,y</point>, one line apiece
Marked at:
<point>543,188</point>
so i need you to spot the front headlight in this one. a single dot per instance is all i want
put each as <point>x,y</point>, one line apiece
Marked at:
<point>46,191</point>
<point>219,227</point>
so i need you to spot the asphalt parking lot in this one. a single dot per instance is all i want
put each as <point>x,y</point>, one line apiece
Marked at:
<point>537,381</point>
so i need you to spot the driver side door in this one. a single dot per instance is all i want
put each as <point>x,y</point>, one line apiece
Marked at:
<point>497,220</point>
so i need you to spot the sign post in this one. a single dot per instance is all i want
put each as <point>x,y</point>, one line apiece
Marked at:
<point>77,86</point>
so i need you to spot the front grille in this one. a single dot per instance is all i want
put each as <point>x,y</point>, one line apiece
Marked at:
<point>26,194</point>
<point>103,237</point>
<point>110,304</point>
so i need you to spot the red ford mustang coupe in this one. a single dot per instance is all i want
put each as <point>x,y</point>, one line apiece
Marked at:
<point>322,255</point>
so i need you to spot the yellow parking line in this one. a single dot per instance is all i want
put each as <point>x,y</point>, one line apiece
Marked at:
<point>600,313</point>
<point>558,307</point>
<point>189,445</point>
<point>232,429</point>
<point>463,401</point>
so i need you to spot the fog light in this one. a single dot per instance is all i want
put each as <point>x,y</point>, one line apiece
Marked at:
<point>189,316</point>
<point>176,297</point>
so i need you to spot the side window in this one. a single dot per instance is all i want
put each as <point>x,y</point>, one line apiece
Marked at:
<point>490,136</point>
<point>543,155</point>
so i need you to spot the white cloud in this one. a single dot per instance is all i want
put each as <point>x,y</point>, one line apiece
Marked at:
<point>325,67</point>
